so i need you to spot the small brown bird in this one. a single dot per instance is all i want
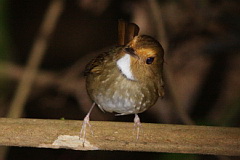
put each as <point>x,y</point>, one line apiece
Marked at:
<point>127,79</point>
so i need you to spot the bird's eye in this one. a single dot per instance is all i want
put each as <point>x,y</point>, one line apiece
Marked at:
<point>150,60</point>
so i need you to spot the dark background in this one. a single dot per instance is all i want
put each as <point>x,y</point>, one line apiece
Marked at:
<point>202,73</point>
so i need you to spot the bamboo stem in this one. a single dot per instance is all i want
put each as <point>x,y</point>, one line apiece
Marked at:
<point>120,136</point>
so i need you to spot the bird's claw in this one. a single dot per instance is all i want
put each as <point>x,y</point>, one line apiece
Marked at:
<point>85,123</point>
<point>137,125</point>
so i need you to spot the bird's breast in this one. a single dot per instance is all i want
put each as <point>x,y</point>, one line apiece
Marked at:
<point>113,92</point>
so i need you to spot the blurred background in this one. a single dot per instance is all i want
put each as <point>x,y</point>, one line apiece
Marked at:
<point>201,40</point>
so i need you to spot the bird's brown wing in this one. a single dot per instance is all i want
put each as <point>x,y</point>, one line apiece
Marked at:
<point>126,32</point>
<point>161,91</point>
<point>96,65</point>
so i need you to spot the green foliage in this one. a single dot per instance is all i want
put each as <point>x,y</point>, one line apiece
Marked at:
<point>4,36</point>
<point>231,116</point>
<point>178,156</point>
<point>4,48</point>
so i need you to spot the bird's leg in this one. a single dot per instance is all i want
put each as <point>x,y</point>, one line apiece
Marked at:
<point>137,125</point>
<point>84,125</point>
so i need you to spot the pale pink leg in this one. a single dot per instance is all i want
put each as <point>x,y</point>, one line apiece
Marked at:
<point>84,125</point>
<point>137,125</point>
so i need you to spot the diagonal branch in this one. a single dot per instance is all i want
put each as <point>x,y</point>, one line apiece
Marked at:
<point>36,55</point>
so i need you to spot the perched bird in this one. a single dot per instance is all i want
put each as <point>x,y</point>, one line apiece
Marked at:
<point>128,79</point>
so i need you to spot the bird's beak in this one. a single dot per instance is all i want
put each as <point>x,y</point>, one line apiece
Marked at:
<point>131,52</point>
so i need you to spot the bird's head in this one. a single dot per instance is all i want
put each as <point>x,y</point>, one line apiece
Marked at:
<point>141,59</point>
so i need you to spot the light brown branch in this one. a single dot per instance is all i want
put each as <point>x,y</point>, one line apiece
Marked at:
<point>75,86</point>
<point>120,136</point>
<point>36,55</point>
<point>155,12</point>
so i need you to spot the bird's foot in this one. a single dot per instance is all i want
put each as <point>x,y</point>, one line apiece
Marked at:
<point>86,120</point>
<point>137,125</point>
<point>85,123</point>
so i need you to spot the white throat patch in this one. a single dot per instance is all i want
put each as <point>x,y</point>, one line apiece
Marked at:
<point>124,64</point>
